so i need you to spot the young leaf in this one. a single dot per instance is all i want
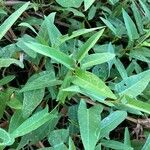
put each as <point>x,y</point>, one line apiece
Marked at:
<point>88,45</point>
<point>11,19</point>
<point>87,4</point>
<point>89,123</point>
<point>53,53</point>
<point>130,26</point>
<point>5,138</point>
<point>91,82</point>
<point>95,59</point>
<point>32,123</point>
<point>133,85</point>
<point>111,122</point>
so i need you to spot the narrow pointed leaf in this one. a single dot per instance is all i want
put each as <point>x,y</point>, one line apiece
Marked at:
<point>111,122</point>
<point>130,26</point>
<point>33,123</point>
<point>6,62</point>
<point>11,20</point>
<point>42,81</point>
<point>88,45</point>
<point>133,85</point>
<point>5,138</point>
<point>91,82</point>
<point>95,59</point>
<point>77,33</point>
<point>88,3</point>
<point>137,104</point>
<point>89,123</point>
<point>52,53</point>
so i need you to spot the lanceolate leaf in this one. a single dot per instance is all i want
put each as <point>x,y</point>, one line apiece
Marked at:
<point>53,53</point>
<point>95,59</point>
<point>77,33</point>
<point>109,25</point>
<point>88,3</point>
<point>130,26</point>
<point>88,45</point>
<point>111,122</point>
<point>133,85</point>
<point>11,20</point>
<point>42,81</point>
<point>6,138</point>
<point>91,82</point>
<point>33,123</point>
<point>89,123</point>
<point>6,62</point>
<point>136,104</point>
<point>147,11</point>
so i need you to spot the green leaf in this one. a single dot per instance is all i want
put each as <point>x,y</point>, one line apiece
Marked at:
<point>136,104</point>
<point>14,103</point>
<point>43,80</point>
<point>130,26</point>
<point>95,59</point>
<point>11,20</point>
<point>6,138</point>
<point>53,53</point>
<point>15,121</point>
<point>6,62</point>
<point>77,33</point>
<point>27,25</point>
<point>53,33</point>
<point>62,95</point>
<point>71,144</point>
<point>127,137</point>
<point>57,138</point>
<point>109,25</point>
<point>133,85</point>
<point>31,100</point>
<point>121,69</point>
<point>147,11</point>
<point>88,45</point>
<point>72,3</point>
<point>33,123</point>
<point>115,145</point>
<point>111,122</point>
<point>6,80</point>
<point>89,123</point>
<point>147,144</point>
<point>91,82</point>
<point>137,17</point>
<point>87,4</point>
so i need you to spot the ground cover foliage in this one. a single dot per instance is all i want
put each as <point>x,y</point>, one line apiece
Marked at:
<point>75,74</point>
